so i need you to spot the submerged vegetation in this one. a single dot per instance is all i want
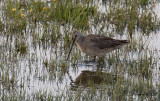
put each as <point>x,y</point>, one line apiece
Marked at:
<point>35,39</point>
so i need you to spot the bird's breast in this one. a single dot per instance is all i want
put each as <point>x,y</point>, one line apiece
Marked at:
<point>81,47</point>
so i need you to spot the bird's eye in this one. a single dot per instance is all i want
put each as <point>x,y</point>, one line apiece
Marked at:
<point>75,35</point>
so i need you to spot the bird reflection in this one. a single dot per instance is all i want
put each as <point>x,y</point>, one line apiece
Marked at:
<point>89,78</point>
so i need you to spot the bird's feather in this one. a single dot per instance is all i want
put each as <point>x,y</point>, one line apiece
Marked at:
<point>105,42</point>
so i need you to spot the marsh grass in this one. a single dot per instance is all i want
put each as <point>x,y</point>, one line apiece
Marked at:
<point>21,47</point>
<point>37,11</point>
<point>1,26</point>
<point>48,25</point>
<point>133,17</point>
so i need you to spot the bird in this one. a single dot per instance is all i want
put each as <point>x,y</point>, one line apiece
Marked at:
<point>95,45</point>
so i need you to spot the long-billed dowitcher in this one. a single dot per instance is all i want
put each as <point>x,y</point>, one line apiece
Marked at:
<point>96,45</point>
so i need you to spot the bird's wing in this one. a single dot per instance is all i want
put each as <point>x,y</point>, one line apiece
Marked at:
<point>105,42</point>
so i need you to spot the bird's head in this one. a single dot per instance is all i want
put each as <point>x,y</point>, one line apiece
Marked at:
<point>76,35</point>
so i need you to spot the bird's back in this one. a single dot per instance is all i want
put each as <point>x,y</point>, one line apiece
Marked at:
<point>103,42</point>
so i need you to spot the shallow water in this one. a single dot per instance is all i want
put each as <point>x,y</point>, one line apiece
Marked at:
<point>32,76</point>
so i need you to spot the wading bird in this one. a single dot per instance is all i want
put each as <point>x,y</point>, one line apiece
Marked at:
<point>95,45</point>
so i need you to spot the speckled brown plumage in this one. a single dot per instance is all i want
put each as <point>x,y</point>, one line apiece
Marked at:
<point>105,42</point>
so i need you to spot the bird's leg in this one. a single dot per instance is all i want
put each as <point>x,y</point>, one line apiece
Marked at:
<point>94,58</point>
<point>101,60</point>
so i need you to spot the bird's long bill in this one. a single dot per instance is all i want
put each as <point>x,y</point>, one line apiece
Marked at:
<point>71,48</point>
